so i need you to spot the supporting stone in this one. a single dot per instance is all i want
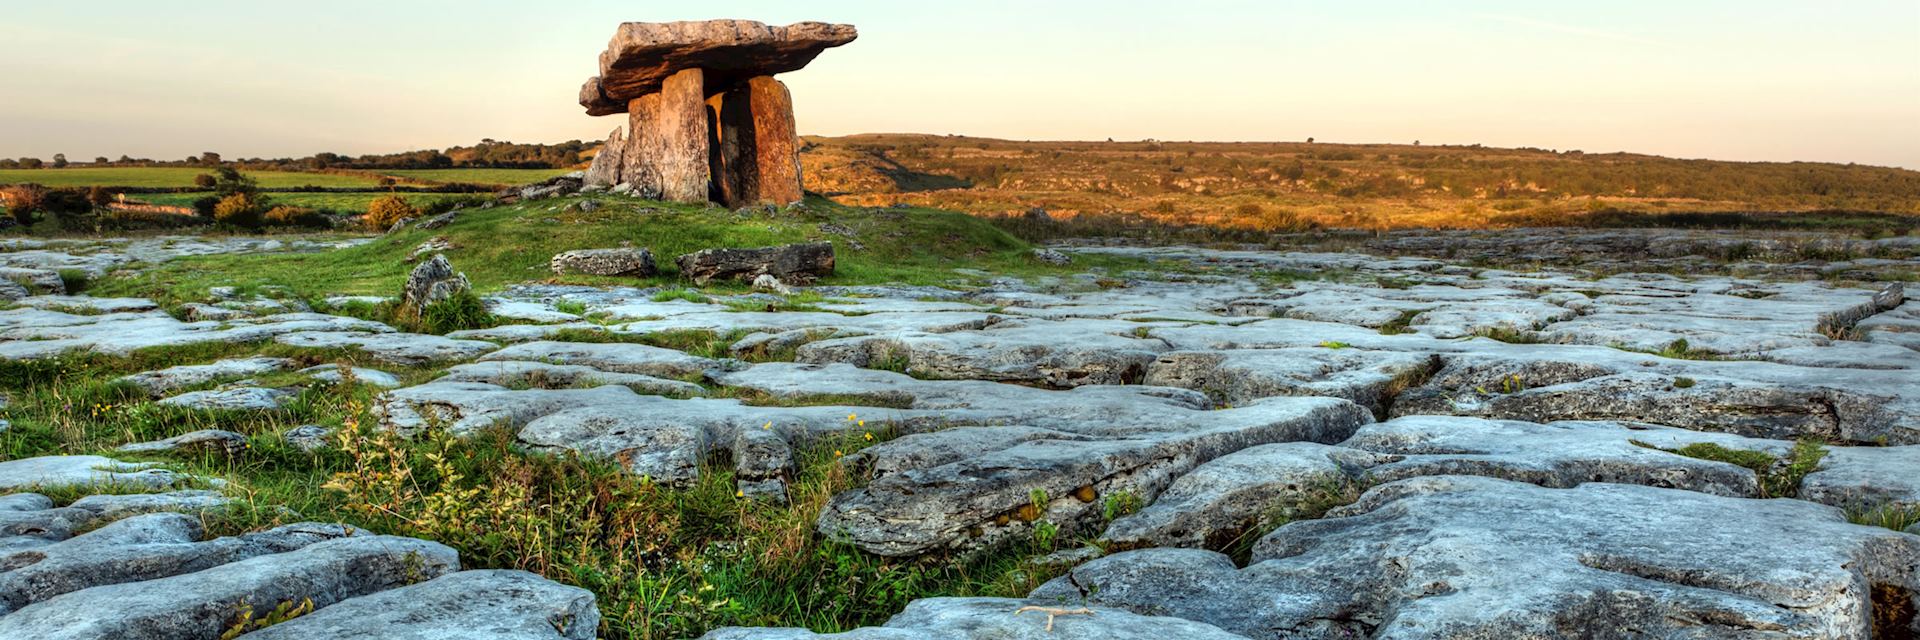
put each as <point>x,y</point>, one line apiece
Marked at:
<point>639,165</point>
<point>605,170</point>
<point>759,147</point>
<point>670,138</point>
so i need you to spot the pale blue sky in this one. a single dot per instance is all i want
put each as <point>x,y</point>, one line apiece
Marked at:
<point>1732,79</point>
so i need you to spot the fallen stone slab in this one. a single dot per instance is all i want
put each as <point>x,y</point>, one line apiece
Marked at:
<point>792,264</point>
<point>50,472</point>
<point>165,381</point>
<point>612,357</point>
<point>636,263</point>
<point>470,605</point>
<point>1001,619</point>
<point>235,399</point>
<point>465,408</point>
<point>522,374</point>
<point>404,349</point>
<point>1456,556</point>
<point>201,604</point>
<point>212,440</point>
<point>642,55</point>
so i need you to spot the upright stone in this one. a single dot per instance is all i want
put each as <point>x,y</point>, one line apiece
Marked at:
<point>758,144</point>
<point>605,170</point>
<point>638,167</point>
<point>671,137</point>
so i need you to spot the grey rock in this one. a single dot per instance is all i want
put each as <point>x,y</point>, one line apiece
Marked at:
<point>50,472</point>
<point>520,373</point>
<point>636,263</point>
<point>309,437</point>
<point>766,282</point>
<point>434,280</point>
<point>44,281</point>
<point>117,506</point>
<point>1370,378</point>
<point>1866,478</point>
<point>201,604</point>
<point>404,349</point>
<point>196,312</point>
<point>235,399</point>
<point>1454,556</point>
<point>792,264</point>
<point>1001,619</point>
<point>988,495</point>
<point>214,440</point>
<point>470,605</point>
<point>1058,354</point>
<point>1051,256</point>
<point>331,373</point>
<point>613,357</point>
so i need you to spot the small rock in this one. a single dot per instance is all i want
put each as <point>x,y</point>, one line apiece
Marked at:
<point>1050,256</point>
<point>604,262</point>
<point>226,442</point>
<point>197,312</point>
<point>438,221</point>
<point>331,373</point>
<point>309,437</point>
<point>587,206</point>
<point>766,282</point>
<point>432,245</point>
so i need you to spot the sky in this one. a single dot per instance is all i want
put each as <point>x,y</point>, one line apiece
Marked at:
<point>1774,80</point>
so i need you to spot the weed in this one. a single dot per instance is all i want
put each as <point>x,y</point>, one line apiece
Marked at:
<point>1333,344</point>
<point>1509,335</point>
<point>1120,504</point>
<point>1779,477</point>
<point>460,311</point>
<point>75,280</point>
<point>1401,324</point>
<point>574,307</point>
<point>1683,382</point>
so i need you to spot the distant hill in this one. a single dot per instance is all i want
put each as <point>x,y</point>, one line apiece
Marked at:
<point>1278,185</point>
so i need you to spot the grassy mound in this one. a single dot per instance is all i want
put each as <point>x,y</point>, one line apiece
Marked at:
<point>510,244</point>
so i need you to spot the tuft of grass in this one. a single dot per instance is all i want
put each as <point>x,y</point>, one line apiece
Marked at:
<point>463,310</point>
<point>678,293</point>
<point>75,280</point>
<point>1333,344</point>
<point>1312,503</point>
<point>1401,324</point>
<point>574,307</point>
<point>1779,476</point>
<point>1508,335</point>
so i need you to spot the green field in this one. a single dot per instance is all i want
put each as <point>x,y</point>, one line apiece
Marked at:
<point>168,177</point>
<point>479,176</point>
<point>348,202</point>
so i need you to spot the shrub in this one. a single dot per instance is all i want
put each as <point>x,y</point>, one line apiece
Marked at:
<point>203,207</point>
<point>23,200</point>
<point>203,181</point>
<point>240,210</point>
<point>288,216</point>
<point>384,212</point>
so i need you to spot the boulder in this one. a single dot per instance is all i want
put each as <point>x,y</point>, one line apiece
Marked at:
<point>604,262</point>
<point>792,264</point>
<point>606,168</point>
<point>434,280</point>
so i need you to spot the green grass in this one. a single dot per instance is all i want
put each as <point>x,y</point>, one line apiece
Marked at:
<point>345,202</point>
<point>169,177</point>
<point>1779,476</point>
<point>663,561</point>
<point>512,244</point>
<point>507,177</point>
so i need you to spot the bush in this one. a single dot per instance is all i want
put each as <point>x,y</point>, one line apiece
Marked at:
<point>240,210</point>
<point>286,216</point>
<point>461,311</point>
<point>203,181</point>
<point>23,200</point>
<point>203,207</point>
<point>388,210</point>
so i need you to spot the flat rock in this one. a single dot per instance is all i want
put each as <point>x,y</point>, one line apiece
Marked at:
<point>520,373</point>
<point>201,604</point>
<point>331,373</point>
<point>612,357</point>
<point>1865,478</point>
<point>470,605</point>
<point>1058,354</point>
<point>1455,556</point>
<point>165,381</point>
<point>791,264</point>
<point>636,263</point>
<point>234,399</point>
<point>404,349</point>
<point>49,472</point>
<point>117,506</point>
<point>1370,378</point>
<point>1001,619</point>
<point>214,440</point>
<point>642,55</point>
